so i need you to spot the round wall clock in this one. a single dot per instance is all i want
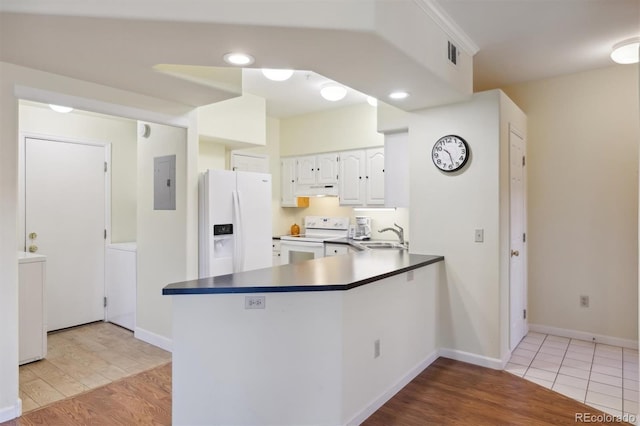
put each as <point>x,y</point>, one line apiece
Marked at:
<point>450,153</point>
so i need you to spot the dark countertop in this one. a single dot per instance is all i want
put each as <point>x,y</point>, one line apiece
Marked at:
<point>323,274</point>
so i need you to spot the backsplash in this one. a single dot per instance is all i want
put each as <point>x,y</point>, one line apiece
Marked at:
<point>328,206</point>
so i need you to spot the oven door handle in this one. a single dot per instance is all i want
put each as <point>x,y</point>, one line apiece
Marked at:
<point>293,244</point>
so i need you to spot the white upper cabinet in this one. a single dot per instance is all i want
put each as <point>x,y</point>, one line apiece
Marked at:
<point>288,182</point>
<point>317,175</point>
<point>327,168</point>
<point>374,179</point>
<point>362,177</point>
<point>352,172</point>
<point>306,170</point>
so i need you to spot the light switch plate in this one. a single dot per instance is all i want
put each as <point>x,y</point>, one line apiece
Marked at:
<point>479,235</point>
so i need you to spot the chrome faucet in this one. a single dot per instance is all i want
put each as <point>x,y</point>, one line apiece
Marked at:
<point>399,232</point>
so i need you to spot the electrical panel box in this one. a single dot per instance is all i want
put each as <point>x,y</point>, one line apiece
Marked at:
<point>164,183</point>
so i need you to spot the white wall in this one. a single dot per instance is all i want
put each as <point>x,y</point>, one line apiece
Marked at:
<point>91,127</point>
<point>583,200</point>
<point>9,402</point>
<point>447,208</point>
<point>162,234</point>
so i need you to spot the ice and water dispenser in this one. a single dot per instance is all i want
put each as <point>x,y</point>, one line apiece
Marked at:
<point>223,248</point>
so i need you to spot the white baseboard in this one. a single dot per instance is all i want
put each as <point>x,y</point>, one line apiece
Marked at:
<point>482,361</point>
<point>389,393</point>
<point>583,335</point>
<point>11,412</point>
<point>153,339</point>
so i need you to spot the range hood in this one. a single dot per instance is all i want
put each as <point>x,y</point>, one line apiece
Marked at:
<point>317,190</point>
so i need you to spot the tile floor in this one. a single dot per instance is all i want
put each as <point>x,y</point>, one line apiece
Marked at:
<point>84,358</point>
<point>602,376</point>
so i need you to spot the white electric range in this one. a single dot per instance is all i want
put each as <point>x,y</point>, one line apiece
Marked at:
<point>310,244</point>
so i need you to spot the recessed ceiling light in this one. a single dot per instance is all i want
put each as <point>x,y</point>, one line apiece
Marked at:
<point>400,94</point>
<point>60,108</point>
<point>238,59</point>
<point>626,52</point>
<point>372,101</point>
<point>333,92</point>
<point>277,74</point>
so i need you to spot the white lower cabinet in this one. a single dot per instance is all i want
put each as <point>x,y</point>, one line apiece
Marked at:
<point>277,258</point>
<point>336,249</point>
<point>121,284</point>
<point>32,329</point>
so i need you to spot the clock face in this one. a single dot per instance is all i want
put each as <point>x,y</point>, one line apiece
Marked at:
<point>450,153</point>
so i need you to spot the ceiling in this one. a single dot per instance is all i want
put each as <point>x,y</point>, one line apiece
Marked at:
<point>518,41</point>
<point>535,39</point>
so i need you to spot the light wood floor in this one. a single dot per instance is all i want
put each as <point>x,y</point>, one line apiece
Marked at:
<point>447,393</point>
<point>84,358</point>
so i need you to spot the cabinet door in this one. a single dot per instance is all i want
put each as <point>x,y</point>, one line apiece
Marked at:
<point>327,168</point>
<point>352,178</point>
<point>306,170</point>
<point>375,177</point>
<point>288,182</point>
<point>32,334</point>
<point>335,249</point>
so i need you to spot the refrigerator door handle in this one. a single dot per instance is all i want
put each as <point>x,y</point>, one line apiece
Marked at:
<point>238,244</point>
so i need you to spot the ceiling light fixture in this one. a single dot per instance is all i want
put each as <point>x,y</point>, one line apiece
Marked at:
<point>238,58</point>
<point>277,74</point>
<point>372,101</point>
<point>60,108</point>
<point>333,92</point>
<point>626,52</point>
<point>400,94</point>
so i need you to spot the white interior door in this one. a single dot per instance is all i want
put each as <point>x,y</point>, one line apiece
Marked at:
<point>517,264</point>
<point>65,207</point>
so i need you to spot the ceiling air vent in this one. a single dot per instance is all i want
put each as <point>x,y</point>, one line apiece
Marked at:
<point>452,53</point>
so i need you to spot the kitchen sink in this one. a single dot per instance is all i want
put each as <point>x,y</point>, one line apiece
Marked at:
<point>382,245</point>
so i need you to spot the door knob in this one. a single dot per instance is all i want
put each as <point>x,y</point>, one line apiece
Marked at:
<point>33,235</point>
<point>515,253</point>
<point>33,248</point>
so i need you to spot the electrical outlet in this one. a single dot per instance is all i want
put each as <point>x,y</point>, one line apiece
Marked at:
<point>254,302</point>
<point>584,301</point>
<point>479,235</point>
<point>410,276</point>
<point>376,348</point>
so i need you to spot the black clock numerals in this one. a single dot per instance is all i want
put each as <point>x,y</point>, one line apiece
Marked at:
<point>450,153</point>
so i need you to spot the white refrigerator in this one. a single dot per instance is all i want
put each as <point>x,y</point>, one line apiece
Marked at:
<point>235,222</point>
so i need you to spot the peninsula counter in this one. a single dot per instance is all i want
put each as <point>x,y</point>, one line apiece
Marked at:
<point>323,342</point>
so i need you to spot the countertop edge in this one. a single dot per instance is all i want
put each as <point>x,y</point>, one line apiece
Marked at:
<point>298,288</point>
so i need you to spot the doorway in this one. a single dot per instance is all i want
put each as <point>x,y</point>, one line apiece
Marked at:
<point>517,262</point>
<point>66,205</point>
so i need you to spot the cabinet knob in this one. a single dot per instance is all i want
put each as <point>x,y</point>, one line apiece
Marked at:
<point>515,253</point>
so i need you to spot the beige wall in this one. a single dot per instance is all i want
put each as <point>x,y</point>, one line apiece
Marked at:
<point>163,237</point>
<point>211,155</point>
<point>91,127</point>
<point>583,200</point>
<point>338,129</point>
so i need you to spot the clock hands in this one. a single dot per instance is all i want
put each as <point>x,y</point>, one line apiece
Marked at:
<point>450,156</point>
